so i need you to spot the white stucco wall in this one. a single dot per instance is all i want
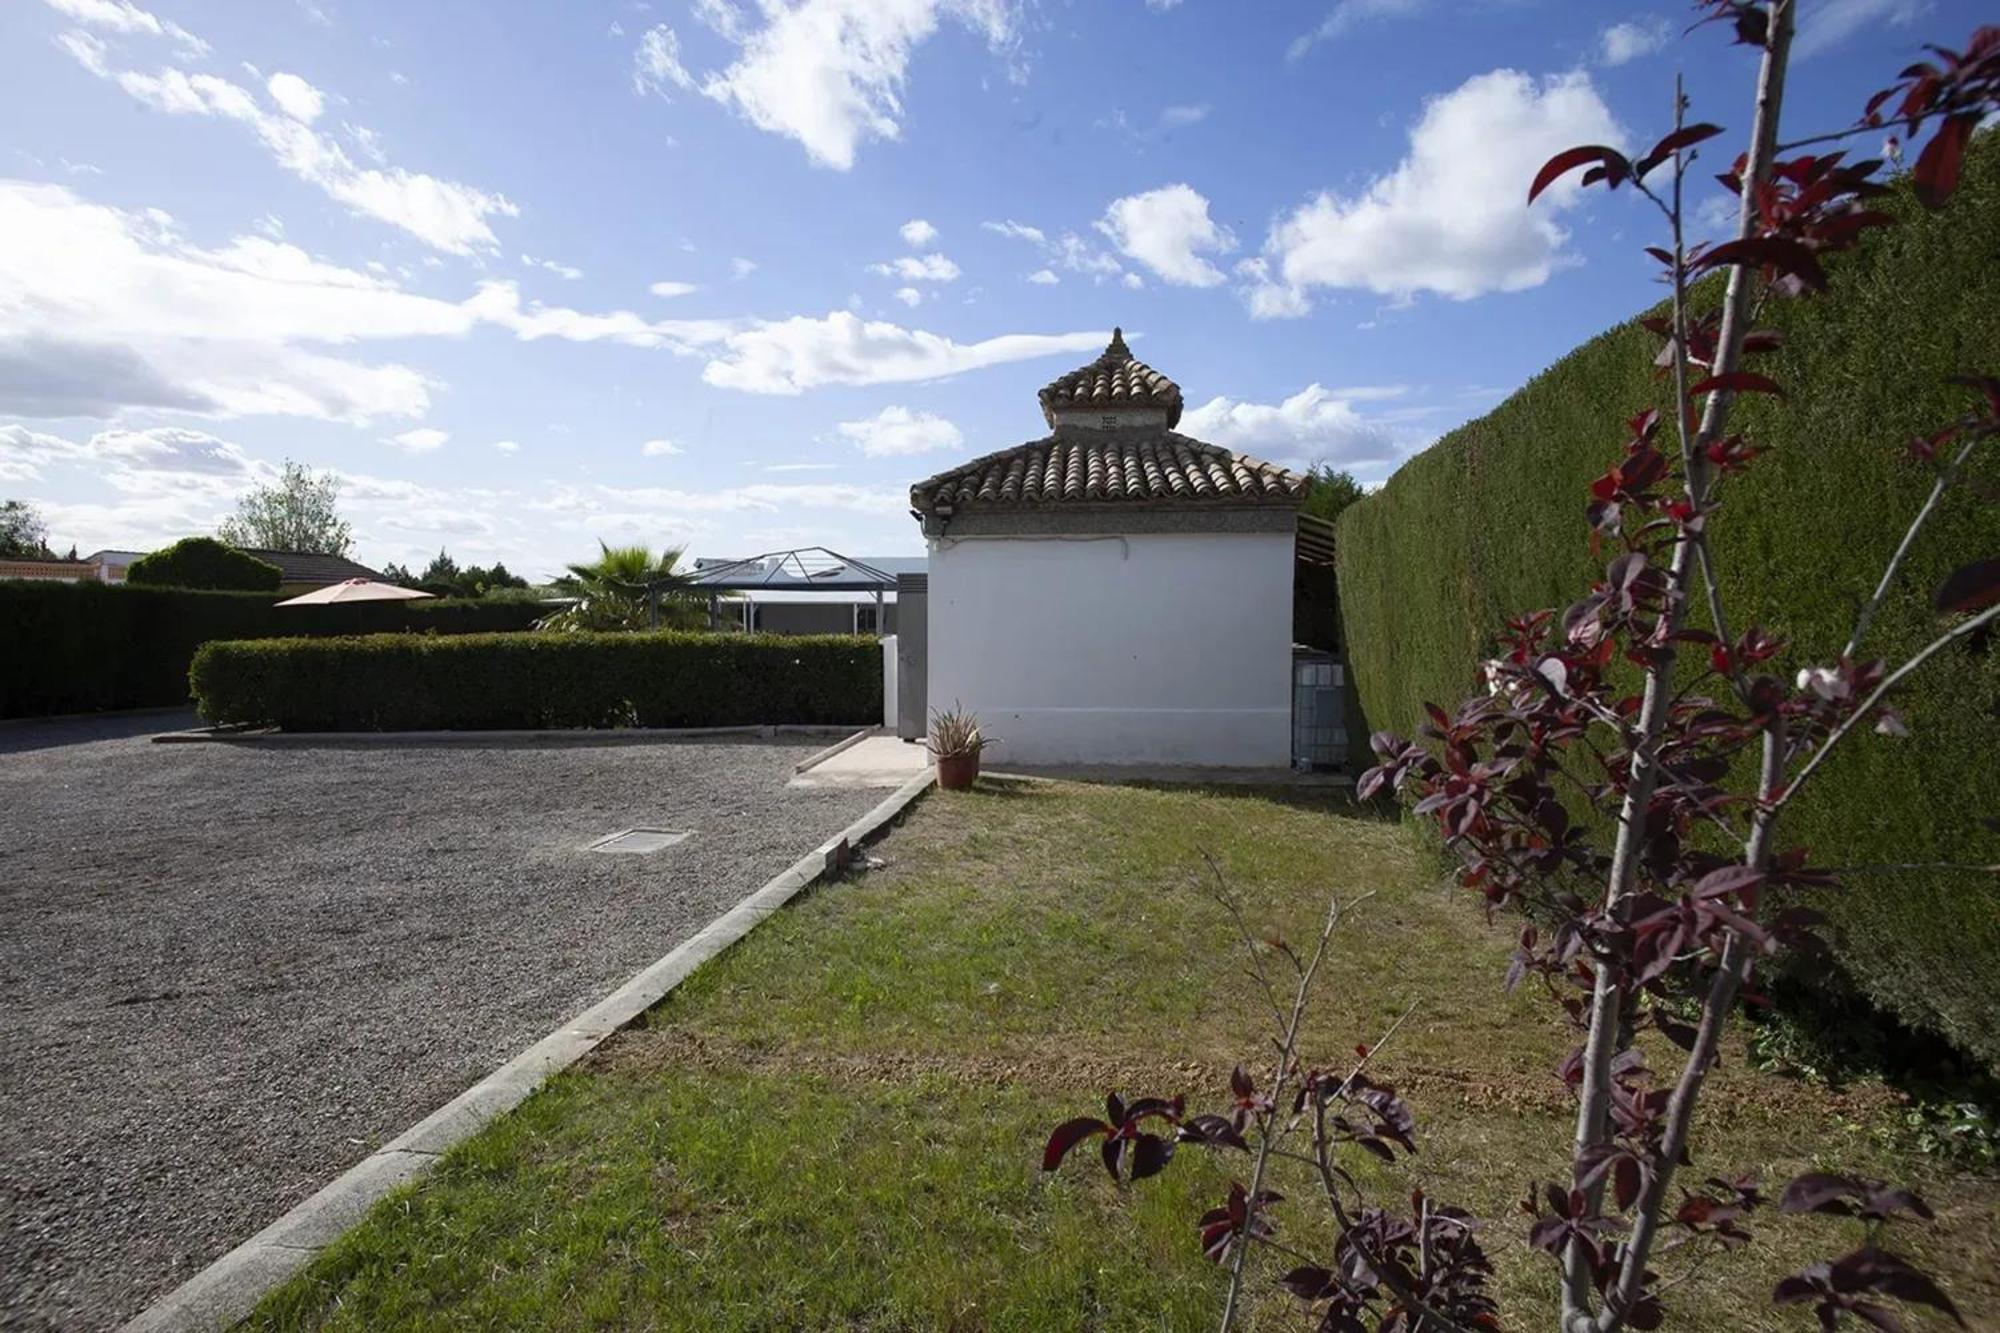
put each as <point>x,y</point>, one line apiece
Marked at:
<point>1143,649</point>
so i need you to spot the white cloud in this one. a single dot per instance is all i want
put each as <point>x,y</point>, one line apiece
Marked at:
<point>910,296</point>
<point>1831,22</point>
<point>660,449</point>
<point>1450,217</point>
<point>720,17</point>
<point>1166,230</point>
<point>444,214</point>
<point>1162,6</point>
<point>917,233</point>
<point>1018,231</point>
<point>103,309</point>
<point>422,440</point>
<point>1044,277</point>
<point>124,17</point>
<point>1067,251</point>
<point>830,73</point>
<point>563,271</point>
<point>1344,16</point>
<point>918,268</point>
<point>295,97</point>
<point>1314,423</point>
<point>792,355</point>
<point>895,431</point>
<point>740,267</point>
<point>1622,42</point>
<point>671,289</point>
<point>507,446</point>
<point>657,63</point>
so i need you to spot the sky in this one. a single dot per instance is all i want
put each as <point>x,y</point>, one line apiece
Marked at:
<point>730,275</point>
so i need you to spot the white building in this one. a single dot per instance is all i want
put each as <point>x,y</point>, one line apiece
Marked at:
<point>1115,593</point>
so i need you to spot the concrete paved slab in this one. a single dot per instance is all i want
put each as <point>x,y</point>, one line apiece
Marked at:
<point>877,761</point>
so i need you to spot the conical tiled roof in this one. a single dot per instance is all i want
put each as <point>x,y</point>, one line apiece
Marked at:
<point>1136,459</point>
<point>1110,467</point>
<point>1116,379</point>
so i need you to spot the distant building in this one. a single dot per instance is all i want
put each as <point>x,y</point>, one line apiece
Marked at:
<point>302,571</point>
<point>111,565</point>
<point>48,570</point>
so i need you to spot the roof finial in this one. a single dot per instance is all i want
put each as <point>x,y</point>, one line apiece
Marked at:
<point>1118,347</point>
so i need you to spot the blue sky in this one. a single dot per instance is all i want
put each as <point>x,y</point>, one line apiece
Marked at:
<point>732,275</point>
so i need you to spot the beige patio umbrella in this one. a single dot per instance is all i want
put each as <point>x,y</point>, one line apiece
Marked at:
<point>355,590</point>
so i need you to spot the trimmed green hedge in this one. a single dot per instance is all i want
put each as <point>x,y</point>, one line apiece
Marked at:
<point>85,647</point>
<point>484,682</point>
<point>1489,522</point>
<point>204,562</point>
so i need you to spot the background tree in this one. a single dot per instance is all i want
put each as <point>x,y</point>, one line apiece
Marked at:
<point>298,513</point>
<point>203,562</point>
<point>444,577</point>
<point>629,588</point>
<point>1333,489</point>
<point>22,531</point>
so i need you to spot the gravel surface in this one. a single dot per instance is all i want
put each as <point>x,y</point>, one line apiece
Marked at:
<point>229,972</point>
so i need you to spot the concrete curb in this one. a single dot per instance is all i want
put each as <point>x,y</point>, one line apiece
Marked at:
<point>570,735</point>
<point>229,1289</point>
<point>813,761</point>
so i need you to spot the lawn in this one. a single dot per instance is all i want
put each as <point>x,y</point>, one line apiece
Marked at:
<point>838,1123</point>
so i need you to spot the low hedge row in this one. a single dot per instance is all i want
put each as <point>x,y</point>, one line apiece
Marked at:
<point>1489,523</point>
<point>484,682</point>
<point>85,647</point>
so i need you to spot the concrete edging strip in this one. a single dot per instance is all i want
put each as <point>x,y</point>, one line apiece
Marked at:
<point>229,1289</point>
<point>814,761</point>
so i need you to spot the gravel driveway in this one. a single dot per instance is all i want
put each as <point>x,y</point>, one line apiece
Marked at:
<point>229,972</point>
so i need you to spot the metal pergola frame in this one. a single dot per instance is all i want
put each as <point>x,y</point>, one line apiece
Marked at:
<point>788,571</point>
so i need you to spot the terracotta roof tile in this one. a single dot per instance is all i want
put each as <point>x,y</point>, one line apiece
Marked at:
<point>1116,379</point>
<point>1110,467</point>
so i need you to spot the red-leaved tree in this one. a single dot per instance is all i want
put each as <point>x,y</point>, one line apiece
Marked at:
<point>1643,701</point>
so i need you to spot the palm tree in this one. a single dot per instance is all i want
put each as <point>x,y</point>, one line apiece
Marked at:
<point>628,588</point>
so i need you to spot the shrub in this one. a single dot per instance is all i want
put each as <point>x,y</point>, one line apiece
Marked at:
<point>476,682</point>
<point>1485,525</point>
<point>203,562</point>
<point>82,647</point>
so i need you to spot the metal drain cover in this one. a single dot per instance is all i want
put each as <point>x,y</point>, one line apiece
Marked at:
<point>637,841</point>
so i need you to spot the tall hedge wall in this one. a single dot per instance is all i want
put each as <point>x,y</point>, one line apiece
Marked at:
<point>1489,522</point>
<point>479,682</point>
<point>83,647</point>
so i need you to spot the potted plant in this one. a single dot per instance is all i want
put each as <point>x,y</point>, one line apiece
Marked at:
<point>955,742</point>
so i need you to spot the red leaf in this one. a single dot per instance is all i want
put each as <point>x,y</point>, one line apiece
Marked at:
<point>1936,174</point>
<point>1616,168</point>
<point>1736,381</point>
<point>1776,252</point>
<point>1971,587</point>
<point>1685,137</point>
<point>1067,1136</point>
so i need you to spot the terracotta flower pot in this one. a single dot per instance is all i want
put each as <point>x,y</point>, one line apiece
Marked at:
<point>957,771</point>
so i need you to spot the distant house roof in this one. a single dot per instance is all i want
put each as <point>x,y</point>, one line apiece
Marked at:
<point>305,567</point>
<point>1116,379</point>
<point>109,557</point>
<point>1113,445</point>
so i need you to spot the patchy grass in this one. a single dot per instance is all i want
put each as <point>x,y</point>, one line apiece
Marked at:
<point>838,1123</point>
